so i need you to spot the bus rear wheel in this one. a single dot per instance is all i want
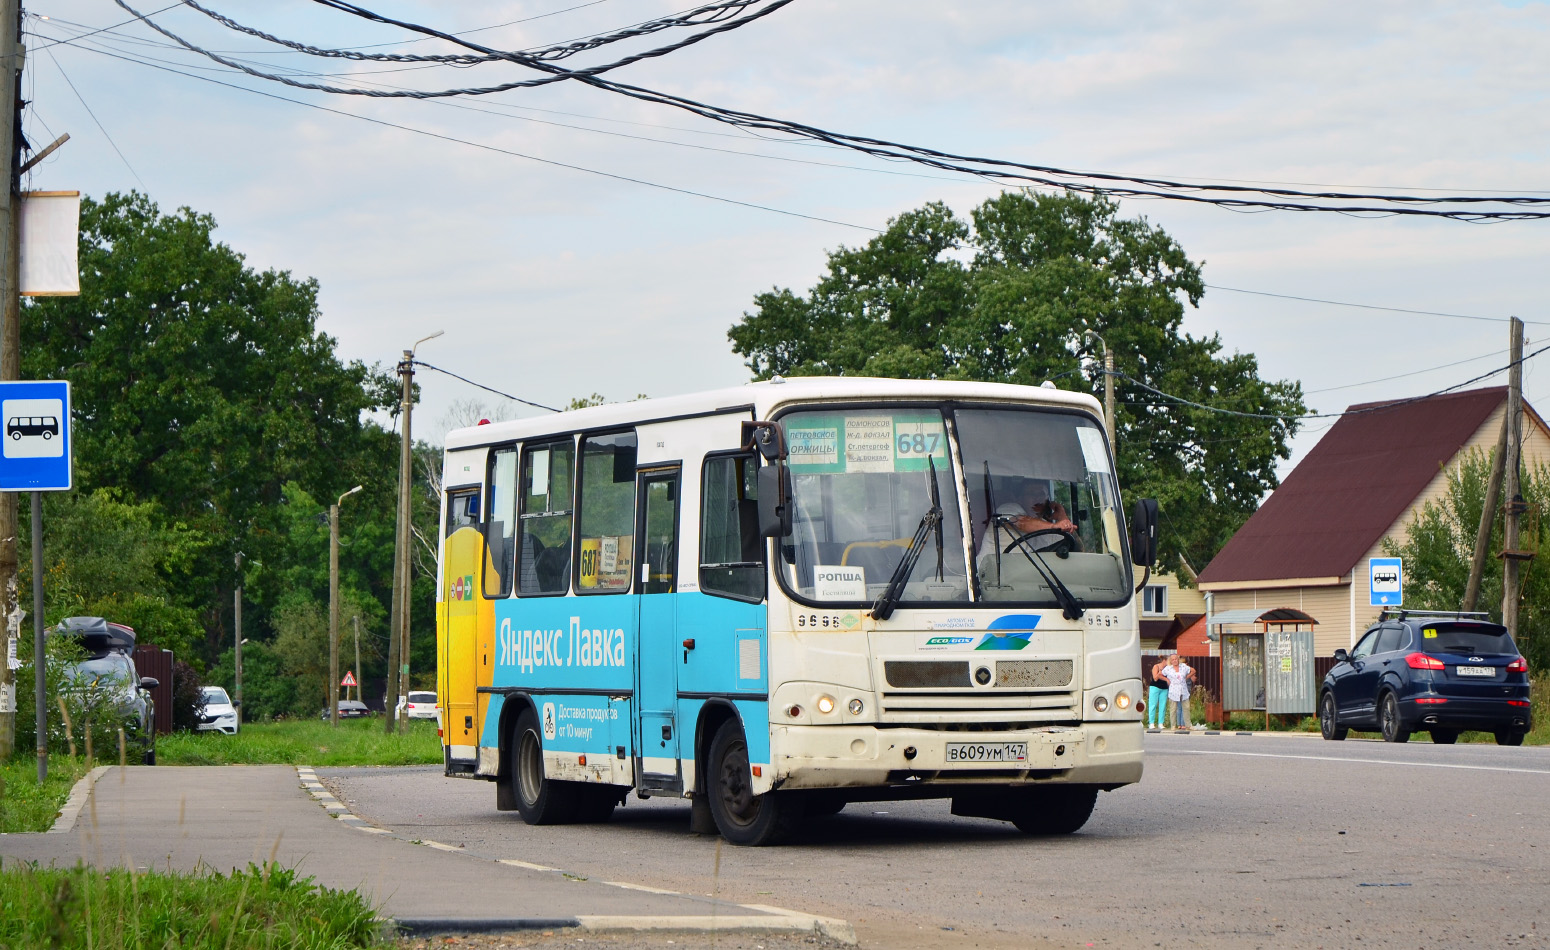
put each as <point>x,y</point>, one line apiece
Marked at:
<point>742,817</point>
<point>539,800</point>
<point>1055,809</point>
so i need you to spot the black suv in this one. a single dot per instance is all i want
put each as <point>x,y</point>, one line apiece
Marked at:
<point>1440,673</point>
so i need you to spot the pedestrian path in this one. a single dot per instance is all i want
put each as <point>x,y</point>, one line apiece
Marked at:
<point>225,817</point>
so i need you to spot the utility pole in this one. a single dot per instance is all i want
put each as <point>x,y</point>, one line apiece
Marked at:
<point>333,606</point>
<point>1108,391</point>
<point>1511,556</point>
<point>11,52</point>
<point>1493,489</point>
<point>398,640</point>
<point>237,624</point>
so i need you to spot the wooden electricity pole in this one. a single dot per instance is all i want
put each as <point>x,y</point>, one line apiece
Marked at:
<point>11,52</point>
<point>1512,557</point>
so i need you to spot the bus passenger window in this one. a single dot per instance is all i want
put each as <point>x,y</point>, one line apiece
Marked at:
<point>462,511</point>
<point>543,551</point>
<point>731,551</point>
<point>500,526</point>
<point>607,532</point>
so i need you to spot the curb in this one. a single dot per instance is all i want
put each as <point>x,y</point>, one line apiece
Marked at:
<point>763,920</point>
<point>77,801</point>
<point>1232,732</point>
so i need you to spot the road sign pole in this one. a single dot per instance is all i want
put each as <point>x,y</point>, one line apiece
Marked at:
<point>40,687</point>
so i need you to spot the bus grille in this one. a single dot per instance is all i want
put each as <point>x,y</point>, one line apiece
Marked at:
<point>979,706</point>
<point>947,674</point>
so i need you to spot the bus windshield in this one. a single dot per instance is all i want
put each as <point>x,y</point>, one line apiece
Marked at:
<point>1041,499</point>
<point>1043,504</point>
<point>863,481</point>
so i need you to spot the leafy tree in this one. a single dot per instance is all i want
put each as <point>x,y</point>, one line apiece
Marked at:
<point>202,385</point>
<point>1439,547</point>
<point>1050,275</point>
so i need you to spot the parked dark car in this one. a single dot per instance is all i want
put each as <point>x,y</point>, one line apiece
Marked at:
<point>349,709</point>
<point>107,678</point>
<point>1437,673</point>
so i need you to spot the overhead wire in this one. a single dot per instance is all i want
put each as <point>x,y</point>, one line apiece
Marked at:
<point>1238,197</point>
<point>447,372</point>
<point>1364,306</point>
<point>96,120</point>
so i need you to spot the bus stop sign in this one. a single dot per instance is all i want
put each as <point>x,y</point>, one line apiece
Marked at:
<point>35,446</point>
<point>1387,575</point>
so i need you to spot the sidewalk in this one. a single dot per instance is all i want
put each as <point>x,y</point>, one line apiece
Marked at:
<point>224,817</point>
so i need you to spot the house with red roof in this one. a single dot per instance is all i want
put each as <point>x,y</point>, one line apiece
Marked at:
<point>1309,546</point>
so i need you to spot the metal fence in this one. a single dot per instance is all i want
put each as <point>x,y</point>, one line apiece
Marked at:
<point>1208,670</point>
<point>155,662</point>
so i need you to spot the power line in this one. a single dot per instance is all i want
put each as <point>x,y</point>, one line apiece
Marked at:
<point>1230,196</point>
<point>525,402</point>
<point>699,16</point>
<point>1383,407</point>
<point>96,120</point>
<point>1419,372</point>
<point>1365,306</point>
<point>489,148</point>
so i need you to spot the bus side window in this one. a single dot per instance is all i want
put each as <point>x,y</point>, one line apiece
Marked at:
<point>543,549</point>
<point>607,517</point>
<point>731,551</point>
<point>500,523</point>
<point>462,511</point>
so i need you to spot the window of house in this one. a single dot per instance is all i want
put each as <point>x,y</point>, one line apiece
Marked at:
<point>544,532</point>
<point>1154,600</point>
<point>607,519</point>
<point>500,523</point>
<point>731,550</point>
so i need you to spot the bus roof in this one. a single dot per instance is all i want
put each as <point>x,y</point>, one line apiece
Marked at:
<point>763,399</point>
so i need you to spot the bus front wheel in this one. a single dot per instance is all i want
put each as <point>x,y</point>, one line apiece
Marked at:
<point>1055,809</point>
<point>742,817</point>
<point>540,801</point>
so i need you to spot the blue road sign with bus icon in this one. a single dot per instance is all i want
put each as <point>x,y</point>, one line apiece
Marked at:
<point>1388,581</point>
<point>35,446</point>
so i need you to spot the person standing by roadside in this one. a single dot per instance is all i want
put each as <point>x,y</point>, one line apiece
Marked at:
<point>1157,697</point>
<point>1180,676</point>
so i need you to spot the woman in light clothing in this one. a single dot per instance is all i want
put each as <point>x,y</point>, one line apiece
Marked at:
<point>1157,697</point>
<point>1179,676</point>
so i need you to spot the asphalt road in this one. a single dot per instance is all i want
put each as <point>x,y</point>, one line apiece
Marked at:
<point>1228,841</point>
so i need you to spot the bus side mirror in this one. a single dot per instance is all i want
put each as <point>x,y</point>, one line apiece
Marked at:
<point>774,512</point>
<point>766,437</point>
<point>1143,532</point>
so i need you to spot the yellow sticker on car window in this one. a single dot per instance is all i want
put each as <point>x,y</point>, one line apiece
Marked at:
<point>1429,633</point>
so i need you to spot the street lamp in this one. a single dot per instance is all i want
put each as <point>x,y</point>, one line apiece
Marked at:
<point>333,606</point>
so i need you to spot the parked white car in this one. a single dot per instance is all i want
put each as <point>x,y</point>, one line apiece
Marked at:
<point>219,714</point>
<point>422,705</point>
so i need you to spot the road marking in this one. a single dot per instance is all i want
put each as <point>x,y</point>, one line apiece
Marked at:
<point>1336,758</point>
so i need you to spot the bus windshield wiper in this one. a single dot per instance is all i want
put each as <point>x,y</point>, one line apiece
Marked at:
<point>929,522</point>
<point>1070,607</point>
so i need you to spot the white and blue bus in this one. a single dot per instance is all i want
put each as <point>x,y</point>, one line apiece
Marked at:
<point>780,598</point>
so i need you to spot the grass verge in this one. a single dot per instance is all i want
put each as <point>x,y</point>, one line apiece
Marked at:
<point>27,806</point>
<point>354,742</point>
<point>262,907</point>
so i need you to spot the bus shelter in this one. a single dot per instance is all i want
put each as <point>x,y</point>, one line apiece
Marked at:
<point>1267,660</point>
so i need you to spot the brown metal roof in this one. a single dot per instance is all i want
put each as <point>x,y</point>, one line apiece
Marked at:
<point>1351,488</point>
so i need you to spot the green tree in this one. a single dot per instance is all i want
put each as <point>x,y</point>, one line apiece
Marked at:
<point>1439,546</point>
<point>1050,275</point>
<point>206,387</point>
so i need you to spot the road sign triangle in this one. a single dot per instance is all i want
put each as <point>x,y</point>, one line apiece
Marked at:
<point>349,679</point>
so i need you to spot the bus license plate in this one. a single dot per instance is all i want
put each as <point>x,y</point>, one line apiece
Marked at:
<point>987,752</point>
<point>1476,670</point>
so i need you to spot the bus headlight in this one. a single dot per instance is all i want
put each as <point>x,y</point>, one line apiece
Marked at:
<point>1101,703</point>
<point>855,707</point>
<point>825,704</point>
<point>1122,701</point>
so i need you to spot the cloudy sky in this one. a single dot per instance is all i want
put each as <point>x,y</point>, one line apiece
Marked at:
<point>553,282</point>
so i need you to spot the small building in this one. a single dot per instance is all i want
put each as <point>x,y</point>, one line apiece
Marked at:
<point>1168,609</point>
<point>1309,546</point>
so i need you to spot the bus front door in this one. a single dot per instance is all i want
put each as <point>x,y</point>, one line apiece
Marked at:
<point>656,688</point>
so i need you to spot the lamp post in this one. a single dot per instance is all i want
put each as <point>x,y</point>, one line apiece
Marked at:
<point>333,606</point>
<point>398,639</point>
